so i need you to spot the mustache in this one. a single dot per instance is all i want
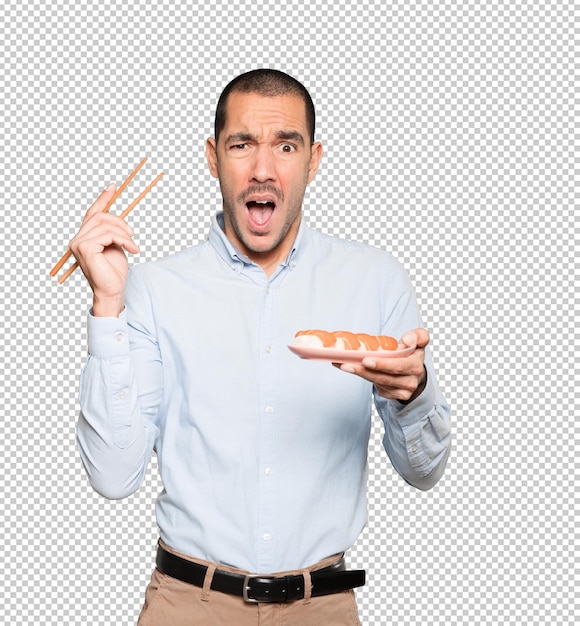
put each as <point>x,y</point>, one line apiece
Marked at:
<point>259,189</point>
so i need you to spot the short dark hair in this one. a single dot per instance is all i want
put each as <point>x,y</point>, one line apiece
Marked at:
<point>268,83</point>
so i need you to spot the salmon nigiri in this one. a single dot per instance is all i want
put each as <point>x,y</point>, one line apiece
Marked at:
<point>315,338</point>
<point>344,340</point>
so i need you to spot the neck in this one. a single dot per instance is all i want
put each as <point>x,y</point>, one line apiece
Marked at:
<point>268,259</point>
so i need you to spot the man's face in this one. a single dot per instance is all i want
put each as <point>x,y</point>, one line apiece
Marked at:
<point>264,160</point>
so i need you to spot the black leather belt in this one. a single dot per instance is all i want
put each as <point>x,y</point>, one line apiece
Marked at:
<point>258,588</point>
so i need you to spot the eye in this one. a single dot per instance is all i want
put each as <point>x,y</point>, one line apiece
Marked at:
<point>287,148</point>
<point>238,146</point>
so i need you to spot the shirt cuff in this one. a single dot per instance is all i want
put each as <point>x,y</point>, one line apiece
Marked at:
<point>108,337</point>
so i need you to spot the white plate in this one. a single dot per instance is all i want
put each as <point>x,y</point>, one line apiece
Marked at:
<point>347,356</point>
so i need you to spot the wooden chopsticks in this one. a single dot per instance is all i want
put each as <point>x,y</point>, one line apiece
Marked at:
<point>54,271</point>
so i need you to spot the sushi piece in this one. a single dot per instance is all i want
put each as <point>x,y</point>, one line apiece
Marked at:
<point>344,340</point>
<point>315,339</point>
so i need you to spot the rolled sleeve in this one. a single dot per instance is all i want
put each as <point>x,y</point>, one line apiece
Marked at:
<point>113,438</point>
<point>418,435</point>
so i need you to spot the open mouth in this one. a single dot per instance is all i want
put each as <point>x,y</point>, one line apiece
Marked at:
<point>260,213</point>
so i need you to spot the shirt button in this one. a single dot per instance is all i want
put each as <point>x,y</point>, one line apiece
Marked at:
<point>119,337</point>
<point>268,471</point>
<point>269,409</point>
<point>266,536</point>
<point>268,349</point>
<point>269,289</point>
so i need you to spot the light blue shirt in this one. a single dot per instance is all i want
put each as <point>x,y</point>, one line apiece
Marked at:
<point>262,455</point>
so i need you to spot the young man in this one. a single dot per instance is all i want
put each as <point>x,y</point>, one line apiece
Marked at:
<point>262,455</point>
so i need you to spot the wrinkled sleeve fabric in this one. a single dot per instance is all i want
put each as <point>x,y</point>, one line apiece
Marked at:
<point>417,435</point>
<point>119,393</point>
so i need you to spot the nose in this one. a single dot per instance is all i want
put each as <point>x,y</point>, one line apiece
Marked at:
<point>263,167</point>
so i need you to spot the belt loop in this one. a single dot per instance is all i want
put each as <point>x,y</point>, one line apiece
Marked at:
<point>307,586</point>
<point>207,582</point>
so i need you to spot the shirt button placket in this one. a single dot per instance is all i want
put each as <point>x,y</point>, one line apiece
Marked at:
<point>268,437</point>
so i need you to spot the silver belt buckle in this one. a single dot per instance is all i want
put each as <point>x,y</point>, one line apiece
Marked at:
<point>246,589</point>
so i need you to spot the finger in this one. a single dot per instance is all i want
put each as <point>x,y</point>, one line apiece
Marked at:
<point>387,373</point>
<point>95,250</point>
<point>395,386</point>
<point>345,367</point>
<point>101,222</point>
<point>418,337</point>
<point>94,240</point>
<point>396,367</point>
<point>101,202</point>
<point>98,244</point>
<point>372,368</point>
<point>379,370</point>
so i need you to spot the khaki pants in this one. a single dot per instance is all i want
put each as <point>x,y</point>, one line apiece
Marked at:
<point>171,602</point>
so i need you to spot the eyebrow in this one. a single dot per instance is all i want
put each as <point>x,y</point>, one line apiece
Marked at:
<point>291,135</point>
<point>239,138</point>
<point>286,135</point>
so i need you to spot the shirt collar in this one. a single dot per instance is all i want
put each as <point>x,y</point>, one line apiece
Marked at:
<point>226,249</point>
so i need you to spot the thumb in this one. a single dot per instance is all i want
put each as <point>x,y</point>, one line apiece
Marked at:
<point>419,337</point>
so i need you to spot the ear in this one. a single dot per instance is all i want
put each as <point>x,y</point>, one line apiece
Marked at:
<point>315,158</point>
<point>211,156</point>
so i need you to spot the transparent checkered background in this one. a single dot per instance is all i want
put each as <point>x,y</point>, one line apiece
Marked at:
<point>450,139</point>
